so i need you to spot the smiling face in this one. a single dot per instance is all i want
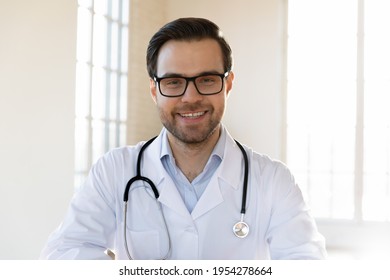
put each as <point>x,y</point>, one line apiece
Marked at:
<point>191,118</point>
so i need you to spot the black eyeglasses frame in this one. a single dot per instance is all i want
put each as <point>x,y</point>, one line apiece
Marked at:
<point>191,79</point>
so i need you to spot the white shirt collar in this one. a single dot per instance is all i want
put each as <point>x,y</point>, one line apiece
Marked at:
<point>218,150</point>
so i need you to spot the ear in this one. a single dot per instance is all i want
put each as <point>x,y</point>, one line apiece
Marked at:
<point>229,83</point>
<point>153,89</point>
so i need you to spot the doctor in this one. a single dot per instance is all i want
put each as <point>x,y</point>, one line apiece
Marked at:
<point>198,171</point>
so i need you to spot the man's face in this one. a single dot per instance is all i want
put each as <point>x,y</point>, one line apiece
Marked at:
<point>191,118</point>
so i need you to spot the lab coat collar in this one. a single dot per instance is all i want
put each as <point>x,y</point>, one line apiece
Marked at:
<point>232,167</point>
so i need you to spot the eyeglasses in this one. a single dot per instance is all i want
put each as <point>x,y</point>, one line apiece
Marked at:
<point>208,84</point>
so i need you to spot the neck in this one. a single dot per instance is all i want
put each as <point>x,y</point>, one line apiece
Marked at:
<point>192,158</point>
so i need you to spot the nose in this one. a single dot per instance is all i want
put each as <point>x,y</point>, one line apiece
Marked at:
<point>191,95</point>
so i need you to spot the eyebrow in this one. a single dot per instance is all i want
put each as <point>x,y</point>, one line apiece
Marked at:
<point>172,74</point>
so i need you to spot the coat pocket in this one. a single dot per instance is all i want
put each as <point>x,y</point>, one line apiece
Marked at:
<point>144,245</point>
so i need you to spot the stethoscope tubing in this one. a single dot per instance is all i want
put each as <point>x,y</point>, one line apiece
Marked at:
<point>245,184</point>
<point>139,177</point>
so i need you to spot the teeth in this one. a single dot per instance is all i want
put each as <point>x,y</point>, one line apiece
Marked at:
<point>193,115</point>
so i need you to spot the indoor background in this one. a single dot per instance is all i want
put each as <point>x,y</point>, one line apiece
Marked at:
<point>73,85</point>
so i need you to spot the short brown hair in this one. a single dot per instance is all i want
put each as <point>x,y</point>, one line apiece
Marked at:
<point>186,29</point>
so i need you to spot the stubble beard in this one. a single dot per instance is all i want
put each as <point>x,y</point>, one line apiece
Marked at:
<point>191,135</point>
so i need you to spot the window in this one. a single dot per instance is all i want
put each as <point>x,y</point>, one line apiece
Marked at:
<point>338,98</point>
<point>101,82</point>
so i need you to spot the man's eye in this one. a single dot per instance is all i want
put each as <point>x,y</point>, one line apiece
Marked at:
<point>173,82</point>
<point>207,80</point>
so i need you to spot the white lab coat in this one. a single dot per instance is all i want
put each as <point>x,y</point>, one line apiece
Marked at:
<point>279,220</point>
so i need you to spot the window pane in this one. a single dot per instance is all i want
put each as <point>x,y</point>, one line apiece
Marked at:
<point>377,43</point>
<point>123,98</point>
<point>98,93</point>
<point>100,41</point>
<point>122,134</point>
<point>114,134</point>
<point>114,45</point>
<point>376,202</point>
<point>115,9</point>
<point>101,7</point>
<point>114,96</point>
<point>124,49</point>
<point>98,137</point>
<point>84,33</point>
<point>376,199</point>
<point>377,102</point>
<point>85,3</point>
<point>82,89</point>
<point>81,147</point>
<point>321,102</point>
<point>125,11</point>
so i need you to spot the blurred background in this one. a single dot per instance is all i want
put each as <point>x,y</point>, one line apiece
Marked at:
<point>312,89</point>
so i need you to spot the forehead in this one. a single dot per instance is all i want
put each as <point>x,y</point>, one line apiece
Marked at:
<point>190,58</point>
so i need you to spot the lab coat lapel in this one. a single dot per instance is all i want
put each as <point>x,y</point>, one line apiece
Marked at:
<point>170,197</point>
<point>211,198</point>
<point>154,169</point>
<point>227,176</point>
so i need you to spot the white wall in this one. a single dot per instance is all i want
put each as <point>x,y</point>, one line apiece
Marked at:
<point>37,73</point>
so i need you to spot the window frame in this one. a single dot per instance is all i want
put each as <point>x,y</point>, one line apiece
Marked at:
<point>89,144</point>
<point>356,238</point>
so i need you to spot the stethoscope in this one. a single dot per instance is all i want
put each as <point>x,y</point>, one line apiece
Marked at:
<point>240,229</point>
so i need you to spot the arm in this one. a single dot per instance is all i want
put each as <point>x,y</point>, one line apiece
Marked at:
<point>292,232</point>
<point>89,225</point>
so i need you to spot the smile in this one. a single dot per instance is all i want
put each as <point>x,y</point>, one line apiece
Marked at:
<point>193,115</point>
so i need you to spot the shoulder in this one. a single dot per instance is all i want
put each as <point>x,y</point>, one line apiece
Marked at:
<point>123,160</point>
<point>271,174</point>
<point>110,171</point>
<point>267,165</point>
<point>120,155</point>
<point>262,167</point>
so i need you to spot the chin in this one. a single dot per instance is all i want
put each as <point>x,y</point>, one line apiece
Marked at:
<point>193,137</point>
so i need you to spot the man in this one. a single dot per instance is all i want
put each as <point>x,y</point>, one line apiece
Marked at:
<point>186,197</point>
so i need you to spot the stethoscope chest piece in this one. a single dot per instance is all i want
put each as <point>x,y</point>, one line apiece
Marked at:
<point>241,229</point>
